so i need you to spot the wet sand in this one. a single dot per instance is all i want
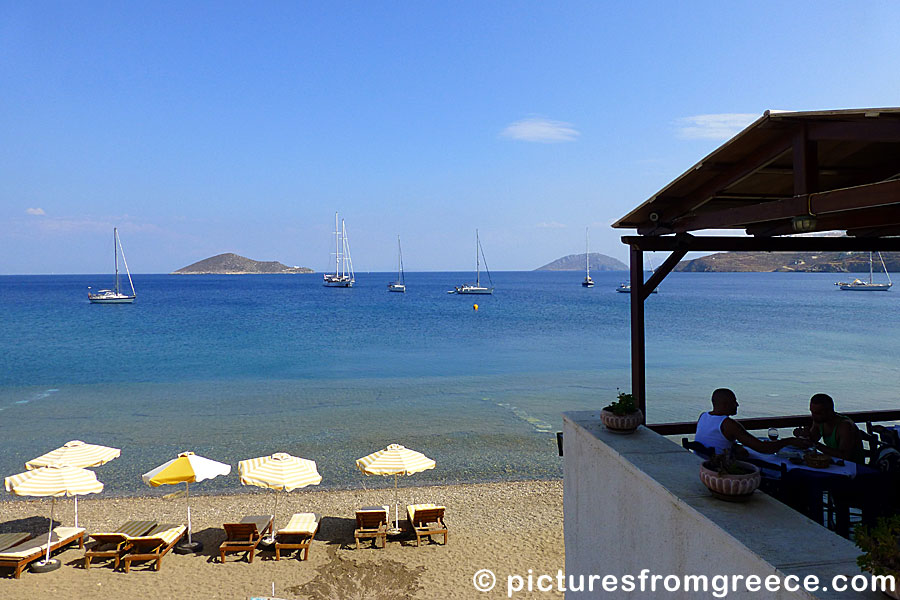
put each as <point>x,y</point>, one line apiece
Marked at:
<point>508,528</point>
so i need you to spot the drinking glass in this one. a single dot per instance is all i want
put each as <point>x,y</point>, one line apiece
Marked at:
<point>773,434</point>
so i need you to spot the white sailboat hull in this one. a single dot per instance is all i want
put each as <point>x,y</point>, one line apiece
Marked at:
<point>397,287</point>
<point>337,281</point>
<point>473,289</point>
<point>101,298</point>
<point>865,287</point>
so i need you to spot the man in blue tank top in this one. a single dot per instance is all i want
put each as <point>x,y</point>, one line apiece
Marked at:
<point>719,432</point>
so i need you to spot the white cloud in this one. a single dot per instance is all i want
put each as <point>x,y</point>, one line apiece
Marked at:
<point>550,225</point>
<point>35,211</point>
<point>713,127</point>
<point>536,129</point>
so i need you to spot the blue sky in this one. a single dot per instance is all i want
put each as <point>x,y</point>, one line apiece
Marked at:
<point>200,128</point>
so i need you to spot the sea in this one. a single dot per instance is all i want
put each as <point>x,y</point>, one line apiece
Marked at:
<point>236,367</point>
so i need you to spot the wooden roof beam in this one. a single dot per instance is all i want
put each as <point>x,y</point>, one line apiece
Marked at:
<point>691,243</point>
<point>863,196</point>
<point>853,219</point>
<point>874,130</point>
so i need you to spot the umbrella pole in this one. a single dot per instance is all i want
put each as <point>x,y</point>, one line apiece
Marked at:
<point>76,511</point>
<point>50,533</point>
<point>187,495</point>
<point>396,504</point>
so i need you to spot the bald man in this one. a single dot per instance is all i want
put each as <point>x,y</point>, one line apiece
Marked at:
<point>718,431</point>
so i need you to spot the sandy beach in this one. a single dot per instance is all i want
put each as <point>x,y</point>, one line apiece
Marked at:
<point>508,528</point>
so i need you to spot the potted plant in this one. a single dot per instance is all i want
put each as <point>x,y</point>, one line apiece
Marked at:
<point>622,416</point>
<point>728,478</point>
<point>881,546</point>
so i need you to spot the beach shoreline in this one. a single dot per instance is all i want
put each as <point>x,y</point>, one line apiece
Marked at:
<point>508,527</point>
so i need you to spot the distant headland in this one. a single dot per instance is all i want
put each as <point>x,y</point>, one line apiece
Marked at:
<point>575,262</point>
<point>805,262</point>
<point>233,264</point>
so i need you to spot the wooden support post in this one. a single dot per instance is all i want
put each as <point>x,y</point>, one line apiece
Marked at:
<point>638,358</point>
<point>806,164</point>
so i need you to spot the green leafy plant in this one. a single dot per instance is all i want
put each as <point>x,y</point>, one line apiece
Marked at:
<point>624,405</point>
<point>726,464</point>
<point>881,546</point>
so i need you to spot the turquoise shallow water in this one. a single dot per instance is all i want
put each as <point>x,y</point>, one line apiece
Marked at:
<point>238,367</point>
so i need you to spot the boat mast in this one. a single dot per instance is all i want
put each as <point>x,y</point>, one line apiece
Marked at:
<point>870,267</point>
<point>884,266</point>
<point>400,260</point>
<point>337,247</point>
<point>587,261</point>
<point>116,256</point>
<point>348,260</point>
<point>477,261</point>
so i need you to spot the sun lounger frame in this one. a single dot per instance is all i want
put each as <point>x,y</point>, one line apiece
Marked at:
<point>18,564</point>
<point>302,544</point>
<point>371,523</point>
<point>244,536</point>
<point>157,546</point>
<point>427,522</point>
<point>114,545</point>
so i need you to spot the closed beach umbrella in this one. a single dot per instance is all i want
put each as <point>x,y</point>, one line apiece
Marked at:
<point>53,480</point>
<point>186,468</point>
<point>395,460</point>
<point>280,471</point>
<point>76,454</point>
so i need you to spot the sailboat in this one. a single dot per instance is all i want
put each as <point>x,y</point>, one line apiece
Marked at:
<point>861,286</point>
<point>476,288</point>
<point>400,284</point>
<point>343,264</point>
<point>115,296</point>
<point>588,282</point>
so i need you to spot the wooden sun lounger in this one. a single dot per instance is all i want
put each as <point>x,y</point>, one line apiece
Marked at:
<point>8,540</point>
<point>298,534</point>
<point>371,522</point>
<point>246,535</point>
<point>114,544</point>
<point>427,520</point>
<point>19,556</point>
<point>154,545</point>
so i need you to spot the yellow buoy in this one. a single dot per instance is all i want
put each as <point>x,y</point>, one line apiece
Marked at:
<point>475,306</point>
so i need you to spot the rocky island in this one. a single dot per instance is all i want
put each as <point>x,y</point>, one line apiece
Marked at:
<point>806,262</point>
<point>575,262</point>
<point>233,264</point>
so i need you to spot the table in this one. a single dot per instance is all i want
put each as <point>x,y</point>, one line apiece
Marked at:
<point>782,459</point>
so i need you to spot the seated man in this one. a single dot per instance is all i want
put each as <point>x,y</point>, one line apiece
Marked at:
<point>838,433</point>
<point>719,432</point>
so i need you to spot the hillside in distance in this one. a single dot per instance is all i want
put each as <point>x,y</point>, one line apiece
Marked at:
<point>804,262</point>
<point>233,264</point>
<point>575,262</point>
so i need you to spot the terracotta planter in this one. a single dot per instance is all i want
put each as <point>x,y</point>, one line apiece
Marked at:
<point>621,423</point>
<point>730,487</point>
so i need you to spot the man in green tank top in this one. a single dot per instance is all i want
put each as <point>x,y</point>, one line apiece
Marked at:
<point>839,435</point>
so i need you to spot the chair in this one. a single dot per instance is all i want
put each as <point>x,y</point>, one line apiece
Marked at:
<point>427,520</point>
<point>371,522</point>
<point>697,448</point>
<point>19,556</point>
<point>115,543</point>
<point>154,544</point>
<point>246,535</point>
<point>298,534</point>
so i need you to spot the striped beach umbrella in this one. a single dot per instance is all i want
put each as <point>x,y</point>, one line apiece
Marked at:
<point>53,480</point>
<point>395,460</point>
<point>76,454</point>
<point>186,468</point>
<point>280,471</point>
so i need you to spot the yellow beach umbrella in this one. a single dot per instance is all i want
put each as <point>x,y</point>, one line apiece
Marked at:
<point>280,471</point>
<point>395,460</point>
<point>53,481</point>
<point>76,454</point>
<point>186,468</point>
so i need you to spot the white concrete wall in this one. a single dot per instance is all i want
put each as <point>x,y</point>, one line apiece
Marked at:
<point>636,502</point>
